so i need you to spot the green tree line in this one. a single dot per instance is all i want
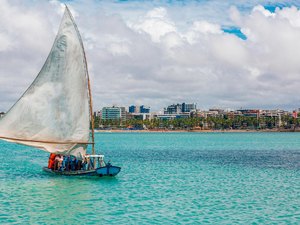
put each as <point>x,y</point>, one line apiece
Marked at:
<point>216,123</point>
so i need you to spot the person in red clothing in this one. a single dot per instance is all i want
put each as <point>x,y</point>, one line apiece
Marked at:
<point>51,161</point>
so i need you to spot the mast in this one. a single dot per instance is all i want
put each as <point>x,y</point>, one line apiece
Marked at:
<point>89,84</point>
<point>91,114</point>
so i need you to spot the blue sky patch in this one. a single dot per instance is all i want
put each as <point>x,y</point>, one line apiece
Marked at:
<point>236,31</point>
<point>272,7</point>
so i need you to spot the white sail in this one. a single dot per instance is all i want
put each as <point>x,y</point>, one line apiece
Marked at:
<point>53,114</point>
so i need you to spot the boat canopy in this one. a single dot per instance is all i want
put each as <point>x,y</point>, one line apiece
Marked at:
<point>94,156</point>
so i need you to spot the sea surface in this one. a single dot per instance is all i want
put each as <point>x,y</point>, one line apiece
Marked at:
<point>166,178</point>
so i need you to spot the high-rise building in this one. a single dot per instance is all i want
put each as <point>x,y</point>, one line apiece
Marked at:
<point>113,113</point>
<point>132,109</point>
<point>138,109</point>
<point>144,109</point>
<point>180,108</point>
<point>186,107</point>
<point>173,109</point>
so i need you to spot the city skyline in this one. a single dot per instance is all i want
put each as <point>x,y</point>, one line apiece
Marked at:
<point>232,54</point>
<point>177,108</point>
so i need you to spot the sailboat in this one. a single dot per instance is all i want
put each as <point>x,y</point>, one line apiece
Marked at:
<point>55,113</point>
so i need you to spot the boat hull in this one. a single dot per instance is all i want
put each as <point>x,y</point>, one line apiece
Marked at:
<point>100,172</point>
<point>108,170</point>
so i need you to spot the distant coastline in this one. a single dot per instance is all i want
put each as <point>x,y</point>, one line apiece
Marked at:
<point>196,131</point>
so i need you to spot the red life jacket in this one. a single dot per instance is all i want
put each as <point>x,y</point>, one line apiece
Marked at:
<point>51,160</point>
<point>52,156</point>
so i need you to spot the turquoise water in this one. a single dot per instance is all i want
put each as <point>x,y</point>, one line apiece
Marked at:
<point>166,178</point>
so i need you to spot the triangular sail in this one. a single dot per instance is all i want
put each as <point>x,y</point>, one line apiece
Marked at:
<point>53,114</point>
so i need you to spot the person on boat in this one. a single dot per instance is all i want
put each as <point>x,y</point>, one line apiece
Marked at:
<point>101,162</point>
<point>90,163</point>
<point>51,161</point>
<point>55,162</point>
<point>79,164</point>
<point>86,162</point>
<point>58,162</point>
<point>108,164</point>
<point>66,163</point>
<point>73,162</point>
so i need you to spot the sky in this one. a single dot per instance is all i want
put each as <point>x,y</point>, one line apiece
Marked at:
<point>224,54</point>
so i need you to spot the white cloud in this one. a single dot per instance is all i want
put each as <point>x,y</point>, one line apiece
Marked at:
<point>156,23</point>
<point>292,14</point>
<point>157,55</point>
<point>262,10</point>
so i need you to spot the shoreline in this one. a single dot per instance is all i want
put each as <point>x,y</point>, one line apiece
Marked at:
<point>196,131</point>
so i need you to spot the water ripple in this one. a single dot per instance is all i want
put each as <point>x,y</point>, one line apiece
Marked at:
<point>165,179</point>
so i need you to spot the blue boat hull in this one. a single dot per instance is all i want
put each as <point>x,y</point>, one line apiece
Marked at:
<point>107,170</point>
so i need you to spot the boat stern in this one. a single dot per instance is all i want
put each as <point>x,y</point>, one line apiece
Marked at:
<point>108,170</point>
